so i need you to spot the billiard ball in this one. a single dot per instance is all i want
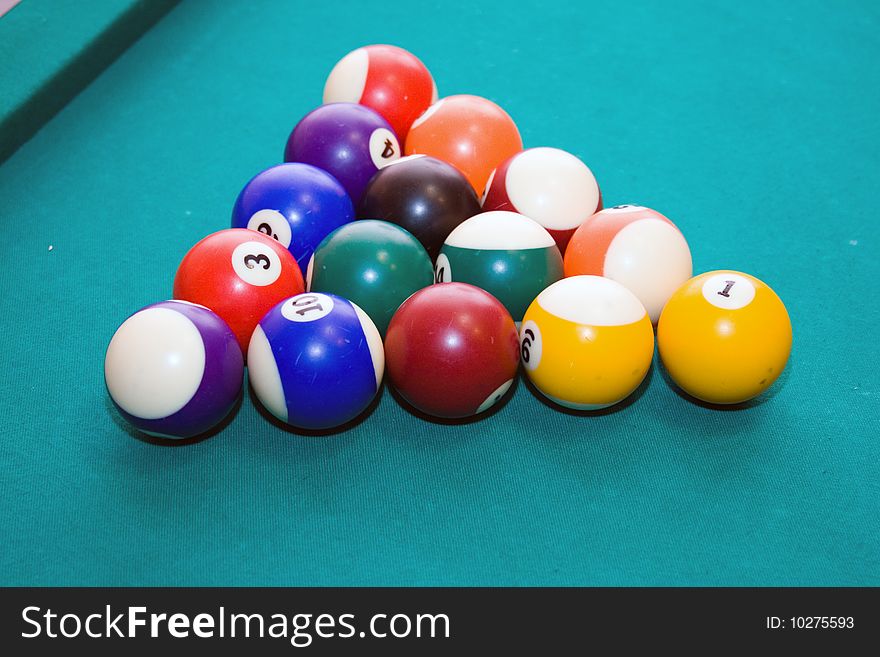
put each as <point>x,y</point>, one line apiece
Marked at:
<point>586,342</point>
<point>388,79</point>
<point>349,141</point>
<point>635,246</point>
<point>297,204</point>
<point>724,337</point>
<point>452,350</point>
<point>549,185</point>
<point>239,274</point>
<point>174,369</point>
<point>375,264</point>
<point>315,361</point>
<point>508,255</point>
<point>424,195</point>
<point>469,132</point>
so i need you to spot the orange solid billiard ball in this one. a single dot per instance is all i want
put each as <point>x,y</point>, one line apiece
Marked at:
<point>724,337</point>
<point>471,133</point>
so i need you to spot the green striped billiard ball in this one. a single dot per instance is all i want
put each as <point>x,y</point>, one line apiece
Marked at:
<point>375,264</point>
<point>505,253</point>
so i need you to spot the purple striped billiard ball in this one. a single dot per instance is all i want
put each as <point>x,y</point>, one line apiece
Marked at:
<point>174,369</point>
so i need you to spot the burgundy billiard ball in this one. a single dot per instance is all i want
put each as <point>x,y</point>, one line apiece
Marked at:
<point>452,350</point>
<point>424,195</point>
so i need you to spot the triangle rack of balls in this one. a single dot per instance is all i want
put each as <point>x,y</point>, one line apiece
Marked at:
<point>411,235</point>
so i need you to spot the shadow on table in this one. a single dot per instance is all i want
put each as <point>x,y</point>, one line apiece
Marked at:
<point>763,398</point>
<point>171,442</point>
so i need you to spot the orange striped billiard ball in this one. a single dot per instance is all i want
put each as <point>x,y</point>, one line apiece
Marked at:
<point>635,246</point>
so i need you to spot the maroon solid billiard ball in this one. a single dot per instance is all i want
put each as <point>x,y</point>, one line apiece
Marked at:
<point>452,350</point>
<point>424,195</point>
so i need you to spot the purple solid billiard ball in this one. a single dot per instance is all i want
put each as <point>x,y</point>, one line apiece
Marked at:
<point>297,204</point>
<point>174,369</point>
<point>348,140</point>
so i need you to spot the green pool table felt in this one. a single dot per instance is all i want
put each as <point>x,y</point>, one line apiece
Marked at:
<point>752,125</point>
<point>51,49</point>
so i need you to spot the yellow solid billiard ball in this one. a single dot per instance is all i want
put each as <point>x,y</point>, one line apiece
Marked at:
<point>586,342</point>
<point>724,337</point>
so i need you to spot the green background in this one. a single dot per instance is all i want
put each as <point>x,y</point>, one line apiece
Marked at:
<point>753,125</point>
<point>51,49</point>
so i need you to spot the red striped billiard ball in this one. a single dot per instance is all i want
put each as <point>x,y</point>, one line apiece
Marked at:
<point>387,79</point>
<point>548,185</point>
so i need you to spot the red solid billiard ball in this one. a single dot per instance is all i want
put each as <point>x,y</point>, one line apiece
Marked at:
<point>452,350</point>
<point>240,274</point>
<point>388,79</point>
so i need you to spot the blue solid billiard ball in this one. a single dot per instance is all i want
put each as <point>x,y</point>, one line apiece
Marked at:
<point>297,204</point>
<point>316,361</point>
<point>174,369</point>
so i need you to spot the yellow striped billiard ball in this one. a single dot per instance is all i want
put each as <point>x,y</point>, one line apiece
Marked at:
<point>586,342</point>
<point>724,337</point>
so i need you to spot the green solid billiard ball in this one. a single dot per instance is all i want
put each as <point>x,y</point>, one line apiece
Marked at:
<point>375,264</point>
<point>505,253</point>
